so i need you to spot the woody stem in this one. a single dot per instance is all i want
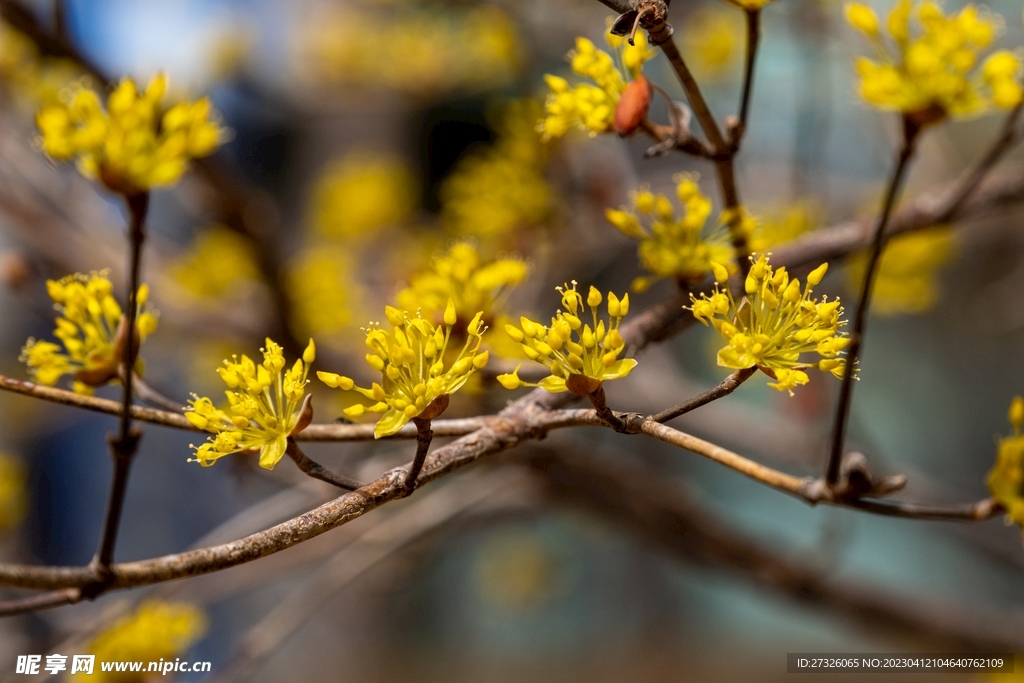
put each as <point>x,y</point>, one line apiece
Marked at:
<point>424,435</point>
<point>597,399</point>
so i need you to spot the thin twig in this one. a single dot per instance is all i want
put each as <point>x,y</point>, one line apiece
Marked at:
<point>600,403</point>
<point>700,106</point>
<point>723,388</point>
<point>36,603</point>
<point>125,444</point>
<point>424,435</point>
<point>753,38</point>
<point>864,303</point>
<point>153,397</point>
<point>318,471</point>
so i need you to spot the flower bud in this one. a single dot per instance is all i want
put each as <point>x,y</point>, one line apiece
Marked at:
<point>633,105</point>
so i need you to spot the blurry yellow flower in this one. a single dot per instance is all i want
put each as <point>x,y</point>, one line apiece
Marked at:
<point>265,407</point>
<point>672,246</point>
<point>932,73</point>
<point>579,355</point>
<point>784,226</point>
<point>217,264</point>
<point>592,107</point>
<point>907,278</point>
<point>412,361</point>
<point>33,78</point>
<point>461,276</point>
<point>324,293</point>
<point>713,41</point>
<point>1006,480</point>
<point>774,324</point>
<point>494,191</point>
<point>133,145</point>
<point>426,54</point>
<point>156,630</point>
<point>89,328</point>
<point>13,493</point>
<point>362,193</point>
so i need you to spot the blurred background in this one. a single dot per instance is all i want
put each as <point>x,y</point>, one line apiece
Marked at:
<point>368,138</point>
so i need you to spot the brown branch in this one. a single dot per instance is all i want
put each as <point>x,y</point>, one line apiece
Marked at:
<point>125,444</point>
<point>647,506</point>
<point>860,318</point>
<point>318,471</point>
<point>753,38</point>
<point>723,388</point>
<point>36,603</point>
<point>424,435</point>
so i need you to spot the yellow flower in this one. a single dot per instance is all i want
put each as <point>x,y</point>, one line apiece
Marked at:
<point>92,342</point>
<point>427,53</point>
<point>907,279</point>
<point>592,107</point>
<point>774,324</point>
<point>34,79</point>
<point>712,40</point>
<point>13,493</point>
<point>672,246</point>
<point>265,407</point>
<point>156,630</point>
<point>579,356</point>
<point>324,293</point>
<point>133,145</point>
<point>495,192</point>
<point>1006,480</point>
<point>415,382</point>
<point>461,276</point>
<point>362,193</point>
<point>932,73</point>
<point>218,263</point>
<point>784,226</point>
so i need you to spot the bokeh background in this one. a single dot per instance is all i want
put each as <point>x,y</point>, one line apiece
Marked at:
<point>366,138</point>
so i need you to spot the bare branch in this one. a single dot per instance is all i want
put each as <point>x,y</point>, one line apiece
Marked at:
<point>36,603</point>
<point>723,388</point>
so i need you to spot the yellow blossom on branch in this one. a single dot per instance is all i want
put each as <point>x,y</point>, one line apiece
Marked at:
<point>132,145</point>
<point>324,293</point>
<point>907,279</point>
<point>362,193</point>
<point>90,332</point>
<point>218,264</point>
<point>592,107</point>
<point>712,41</point>
<point>1006,480</point>
<point>784,225</point>
<point>580,356</point>
<point>461,276</point>
<point>933,72</point>
<point>417,377</point>
<point>156,630</point>
<point>774,324</point>
<point>265,406</point>
<point>674,246</point>
<point>494,192</point>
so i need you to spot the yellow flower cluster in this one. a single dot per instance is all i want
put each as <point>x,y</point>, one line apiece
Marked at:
<point>579,355</point>
<point>89,328</point>
<point>712,40</point>
<point>215,265</point>
<point>416,377</point>
<point>592,107</point>
<point>33,78</point>
<point>774,324</point>
<point>13,493</point>
<point>496,191</point>
<point>461,276</point>
<point>1006,480</point>
<point>265,407</point>
<point>133,145</point>
<point>426,53</point>
<point>784,225</point>
<point>673,246</point>
<point>362,193</point>
<point>156,630</point>
<point>324,293</point>
<point>907,279</point>
<point>932,73</point>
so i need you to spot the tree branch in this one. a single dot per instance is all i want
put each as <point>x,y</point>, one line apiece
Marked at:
<point>318,471</point>
<point>723,388</point>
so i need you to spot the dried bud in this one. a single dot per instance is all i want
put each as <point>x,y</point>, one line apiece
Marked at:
<point>15,269</point>
<point>633,105</point>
